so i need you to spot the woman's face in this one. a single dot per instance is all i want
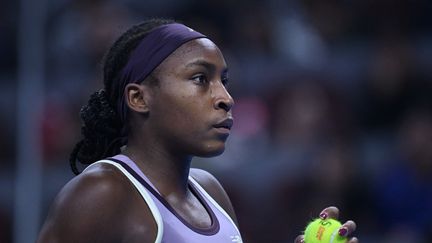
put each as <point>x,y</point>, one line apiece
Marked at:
<point>190,110</point>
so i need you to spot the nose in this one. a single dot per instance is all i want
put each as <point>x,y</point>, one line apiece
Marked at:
<point>223,99</point>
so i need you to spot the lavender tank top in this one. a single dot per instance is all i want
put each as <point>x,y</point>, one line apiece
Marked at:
<point>172,228</point>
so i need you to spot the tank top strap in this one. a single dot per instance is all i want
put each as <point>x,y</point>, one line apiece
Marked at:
<point>142,191</point>
<point>123,159</point>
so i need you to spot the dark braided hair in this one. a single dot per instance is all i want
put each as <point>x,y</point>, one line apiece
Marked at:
<point>103,132</point>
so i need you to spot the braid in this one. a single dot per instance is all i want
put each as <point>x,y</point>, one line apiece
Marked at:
<point>101,127</point>
<point>73,157</point>
<point>103,133</point>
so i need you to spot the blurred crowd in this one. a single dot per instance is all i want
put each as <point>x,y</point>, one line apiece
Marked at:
<point>333,106</point>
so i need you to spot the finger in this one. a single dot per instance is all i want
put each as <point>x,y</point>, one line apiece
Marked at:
<point>299,239</point>
<point>353,240</point>
<point>329,212</point>
<point>347,228</point>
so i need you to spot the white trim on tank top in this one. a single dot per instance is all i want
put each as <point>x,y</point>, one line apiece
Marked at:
<point>144,193</point>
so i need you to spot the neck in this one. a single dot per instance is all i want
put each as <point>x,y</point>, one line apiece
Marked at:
<point>168,172</point>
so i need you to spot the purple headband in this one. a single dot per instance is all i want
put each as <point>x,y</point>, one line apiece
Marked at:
<point>152,50</point>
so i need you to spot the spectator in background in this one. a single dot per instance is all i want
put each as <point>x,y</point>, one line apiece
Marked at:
<point>406,182</point>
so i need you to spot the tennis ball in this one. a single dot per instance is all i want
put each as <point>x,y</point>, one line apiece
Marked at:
<point>323,231</point>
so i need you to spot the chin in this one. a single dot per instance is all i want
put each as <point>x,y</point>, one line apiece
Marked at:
<point>212,151</point>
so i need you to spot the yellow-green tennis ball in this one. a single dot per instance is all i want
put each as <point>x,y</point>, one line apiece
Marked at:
<point>323,231</point>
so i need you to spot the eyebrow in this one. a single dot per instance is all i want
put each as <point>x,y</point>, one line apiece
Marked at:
<point>206,64</point>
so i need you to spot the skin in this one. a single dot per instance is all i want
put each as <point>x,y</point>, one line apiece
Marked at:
<point>170,123</point>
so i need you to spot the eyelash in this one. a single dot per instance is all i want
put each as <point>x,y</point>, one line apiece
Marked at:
<point>225,81</point>
<point>199,79</point>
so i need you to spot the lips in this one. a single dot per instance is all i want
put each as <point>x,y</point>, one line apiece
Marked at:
<point>225,124</point>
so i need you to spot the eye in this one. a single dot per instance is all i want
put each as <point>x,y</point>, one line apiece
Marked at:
<point>225,81</point>
<point>200,79</point>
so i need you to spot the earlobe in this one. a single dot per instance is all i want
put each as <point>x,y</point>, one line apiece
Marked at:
<point>137,97</point>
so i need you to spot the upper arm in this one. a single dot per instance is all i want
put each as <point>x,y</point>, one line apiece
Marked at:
<point>90,208</point>
<point>215,189</point>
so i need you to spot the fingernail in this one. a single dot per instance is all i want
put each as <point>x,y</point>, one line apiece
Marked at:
<point>343,231</point>
<point>323,215</point>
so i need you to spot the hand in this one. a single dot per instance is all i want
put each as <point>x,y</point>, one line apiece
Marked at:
<point>345,230</point>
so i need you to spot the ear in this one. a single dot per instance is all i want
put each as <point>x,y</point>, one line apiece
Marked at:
<point>138,97</point>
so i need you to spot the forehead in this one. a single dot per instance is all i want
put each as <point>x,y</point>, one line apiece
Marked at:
<point>198,49</point>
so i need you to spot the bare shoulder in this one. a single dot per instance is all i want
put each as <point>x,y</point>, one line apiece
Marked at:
<point>214,189</point>
<point>90,208</point>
